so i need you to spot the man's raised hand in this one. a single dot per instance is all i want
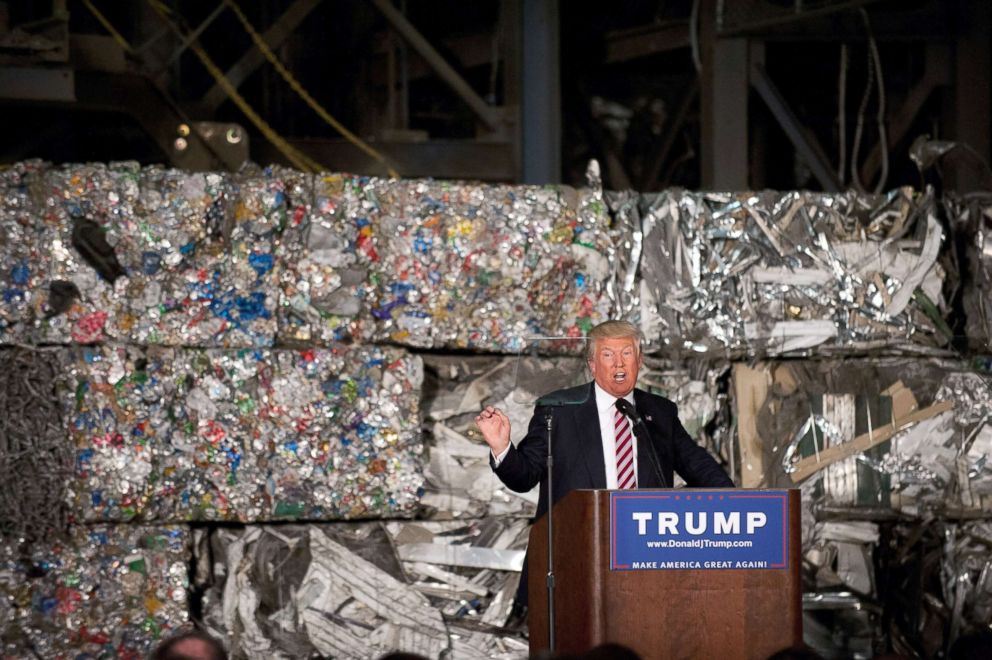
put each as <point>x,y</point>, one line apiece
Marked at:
<point>495,427</point>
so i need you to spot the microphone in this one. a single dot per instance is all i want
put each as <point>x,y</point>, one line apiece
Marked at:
<point>642,433</point>
<point>556,400</point>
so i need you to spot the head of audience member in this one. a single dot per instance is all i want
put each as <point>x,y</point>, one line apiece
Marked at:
<point>613,354</point>
<point>798,652</point>
<point>190,645</point>
<point>607,651</point>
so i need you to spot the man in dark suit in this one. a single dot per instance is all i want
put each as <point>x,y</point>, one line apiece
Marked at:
<point>596,442</point>
<point>585,457</point>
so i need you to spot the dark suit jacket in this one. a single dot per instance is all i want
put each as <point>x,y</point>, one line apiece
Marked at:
<point>578,449</point>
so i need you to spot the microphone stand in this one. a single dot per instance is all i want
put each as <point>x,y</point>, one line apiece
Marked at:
<point>551,542</point>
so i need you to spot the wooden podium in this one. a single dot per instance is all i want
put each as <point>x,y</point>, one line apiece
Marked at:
<point>705,613</point>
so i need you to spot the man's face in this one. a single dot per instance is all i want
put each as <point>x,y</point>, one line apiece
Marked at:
<point>615,363</point>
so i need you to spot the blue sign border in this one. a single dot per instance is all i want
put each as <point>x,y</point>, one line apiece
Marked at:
<point>781,495</point>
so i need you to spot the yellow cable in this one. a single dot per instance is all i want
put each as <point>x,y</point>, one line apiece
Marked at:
<point>314,105</point>
<point>299,160</point>
<point>161,7</point>
<point>122,42</point>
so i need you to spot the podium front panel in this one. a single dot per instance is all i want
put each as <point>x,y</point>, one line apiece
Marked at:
<point>659,613</point>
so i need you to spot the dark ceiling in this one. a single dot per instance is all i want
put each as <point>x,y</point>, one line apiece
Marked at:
<point>630,92</point>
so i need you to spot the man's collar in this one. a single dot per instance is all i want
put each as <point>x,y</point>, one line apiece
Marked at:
<point>606,400</point>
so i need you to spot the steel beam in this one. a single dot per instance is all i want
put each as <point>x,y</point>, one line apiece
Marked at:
<point>804,141</point>
<point>470,50</point>
<point>489,115</point>
<point>510,44</point>
<point>37,84</point>
<point>192,36</point>
<point>623,45</point>
<point>764,15</point>
<point>253,58</point>
<point>723,106</point>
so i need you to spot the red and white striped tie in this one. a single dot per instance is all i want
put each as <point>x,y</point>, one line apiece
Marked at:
<point>625,451</point>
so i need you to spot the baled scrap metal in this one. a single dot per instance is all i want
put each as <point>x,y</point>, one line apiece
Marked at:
<point>784,273</point>
<point>108,591</point>
<point>469,568</point>
<point>24,261</point>
<point>293,591</point>
<point>905,435</point>
<point>840,600</point>
<point>698,388</point>
<point>935,574</point>
<point>115,403</point>
<point>379,612</point>
<point>202,264</point>
<point>155,256</point>
<point>166,434</point>
<point>325,253</point>
<point>841,553</point>
<point>344,424</point>
<point>842,624</point>
<point>457,265</point>
<point>35,453</point>
<point>966,576</point>
<point>57,220</point>
<point>338,592</point>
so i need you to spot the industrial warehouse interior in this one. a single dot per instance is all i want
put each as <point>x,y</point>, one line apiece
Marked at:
<point>266,264</point>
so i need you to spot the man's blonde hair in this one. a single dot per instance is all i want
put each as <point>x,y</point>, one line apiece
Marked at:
<point>611,330</point>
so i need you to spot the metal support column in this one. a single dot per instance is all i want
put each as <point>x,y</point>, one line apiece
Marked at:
<point>723,105</point>
<point>541,92</point>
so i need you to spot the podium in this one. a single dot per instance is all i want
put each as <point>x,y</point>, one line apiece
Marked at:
<point>661,613</point>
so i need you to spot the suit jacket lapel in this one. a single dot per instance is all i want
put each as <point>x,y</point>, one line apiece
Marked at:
<point>591,442</point>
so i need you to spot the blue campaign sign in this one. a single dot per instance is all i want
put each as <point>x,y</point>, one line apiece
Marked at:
<point>712,529</point>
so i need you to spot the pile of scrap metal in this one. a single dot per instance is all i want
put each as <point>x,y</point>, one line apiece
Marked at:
<point>892,456</point>
<point>214,354</point>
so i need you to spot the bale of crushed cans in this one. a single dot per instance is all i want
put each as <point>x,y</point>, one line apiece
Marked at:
<point>35,455</point>
<point>324,261</point>
<point>170,434</point>
<point>441,264</point>
<point>102,591</point>
<point>467,266</point>
<point>159,256</point>
<point>152,256</point>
